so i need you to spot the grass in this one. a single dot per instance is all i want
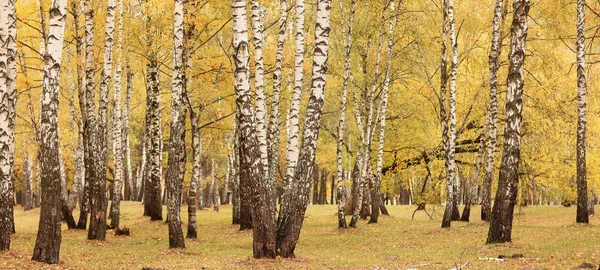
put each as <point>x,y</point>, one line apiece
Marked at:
<point>547,236</point>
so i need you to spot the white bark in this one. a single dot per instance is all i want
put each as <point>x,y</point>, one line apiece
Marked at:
<point>342,119</point>
<point>117,129</point>
<point>293,130</point>
<point>259,85</point>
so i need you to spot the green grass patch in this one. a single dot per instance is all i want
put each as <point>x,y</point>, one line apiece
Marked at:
<point>547,236</point>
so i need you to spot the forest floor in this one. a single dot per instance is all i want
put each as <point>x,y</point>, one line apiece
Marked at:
<point>546,236</point>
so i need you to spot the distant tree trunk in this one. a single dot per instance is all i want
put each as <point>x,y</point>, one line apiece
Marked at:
<point>47,243</point>
<point>235,165</point>
<point>263,215</point>
<point>273,129</point>
<point>357,195</point>
<point>214,186</point>
<point>115,209</point>
<point>315,184</point>
<point>582,196</point>
<point>340,139</point>
<point>494,63</point>
<point>128,181</point>
<point>292,215</point>
<point>504,203</point>
<point>376,193</point>
<point>224,198</point>
<point>27,180</point>
<point>323,188</point>
<point>8,76</point>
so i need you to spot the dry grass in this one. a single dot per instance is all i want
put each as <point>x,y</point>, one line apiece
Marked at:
<point>547,237</point>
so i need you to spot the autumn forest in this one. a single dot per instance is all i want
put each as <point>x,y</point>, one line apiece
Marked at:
<point>279,120</point>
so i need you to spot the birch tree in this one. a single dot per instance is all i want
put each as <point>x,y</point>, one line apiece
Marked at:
<point>582,196</point>
<point>500,230</point>
<point>128,181</point>
<point>451,180</point>
<point>115,210</point>
<point>342,119</point>
<point>259,87</point>
<point>47,243</point>
<point>27,182</point>
<point>174,181</point>
<point>376,194</point>
<point>274,121</point>
<point>291,219</point>
<point>8,79</point>
<point>250,164</point>
<point>494,63</point>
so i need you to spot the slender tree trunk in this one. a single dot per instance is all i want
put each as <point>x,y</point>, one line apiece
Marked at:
<point>502,213</point>
<point>128,181</point>
<point>261,111</point>
<point>7,110</point>
<point>376,193</point>
<point>291,222</point>
<point>27,201</point>
<point>174,179</point>
<point>215,187</point>
<point>294,113</point>
<point>235,163</point>
<point>115,210</point>
<point>154,195</point>
<point>447,219</point>
<point>357,195</point>
<point>196,181</point>
<point>273,129</point>
<point>582,196</point>
<point>342,121</point>
<point>494,64</point>
<point>263,221</point>
<point>47,243</point>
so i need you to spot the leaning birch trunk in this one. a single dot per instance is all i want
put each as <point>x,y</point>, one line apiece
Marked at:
<point>7,112</point>
<point>294,113</point>
<point>262,213</point>
<point>357,195</point>
<point>115,209</point>
<point>474,180</point>
<point>173,181</point>
<point>128,181</point>
<point>494,65</point>
<point>291,222</point>
<point>259,85</point>
<point>273,129</point>
<point>340,138</point>
<point>47,243</point>
<point>582,196</point>
<point>502,213</point>
<point>376,193</point>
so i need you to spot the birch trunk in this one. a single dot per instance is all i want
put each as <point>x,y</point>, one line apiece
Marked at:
<point>259,85</point>
<point>235,160</point>
<point>154,152</point>
<point>357,195</point>
<point>7,116</point>
<point>174,179</point>
<point>342,120</point>
<point>196,181</point>
<point>582,196</point>
<point>97,196</point>
<point>128,181</point>
<point>446,134</point>
<point>494,63</point>
<point>273,129</point>
<point>215,187</point>
<point>294,113</point>
<point>376,193</point>
<point>291,222</point>
<point>115,210</point>
<point>27,181</point>
<point>47,243</point>
<point>250,170</point>
<point>502,213</point>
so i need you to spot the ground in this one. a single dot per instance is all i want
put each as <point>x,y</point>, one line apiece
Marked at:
<point>546,236</point>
